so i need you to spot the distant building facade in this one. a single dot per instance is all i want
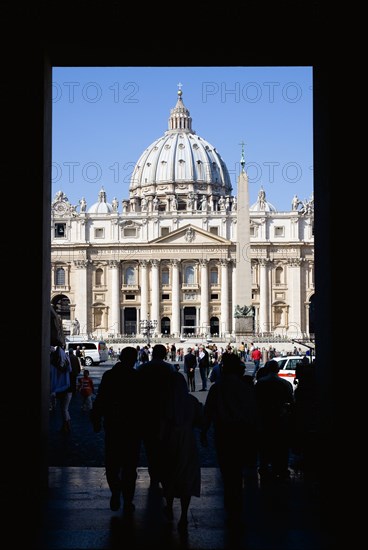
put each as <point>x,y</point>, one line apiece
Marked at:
<point>167,254</point>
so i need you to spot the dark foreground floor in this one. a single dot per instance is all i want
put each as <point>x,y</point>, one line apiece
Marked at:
<point>277,515</point>
<point>289,515</point>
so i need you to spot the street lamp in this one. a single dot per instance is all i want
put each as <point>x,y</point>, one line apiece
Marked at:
<point>147,328</point>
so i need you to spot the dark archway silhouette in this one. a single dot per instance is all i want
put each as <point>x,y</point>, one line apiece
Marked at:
<point>130,321</point>
<point>27,94</point>
<point>165,326</point>
<point>214,325</point>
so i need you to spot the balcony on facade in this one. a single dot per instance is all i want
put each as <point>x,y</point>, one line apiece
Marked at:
<point>61,288</point>
<point>190,286</point>
<point>129,288</point>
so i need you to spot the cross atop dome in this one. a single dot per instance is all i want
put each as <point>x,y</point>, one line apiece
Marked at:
<point>180,91</point>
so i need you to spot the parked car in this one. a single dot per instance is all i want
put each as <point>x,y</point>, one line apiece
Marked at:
<point>95,352</point>
<point>287,366</point>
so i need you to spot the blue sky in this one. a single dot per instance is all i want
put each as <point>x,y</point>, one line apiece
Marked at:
<point>105,117</point>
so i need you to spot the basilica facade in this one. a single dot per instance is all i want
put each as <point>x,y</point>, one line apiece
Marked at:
<point>167,255</point>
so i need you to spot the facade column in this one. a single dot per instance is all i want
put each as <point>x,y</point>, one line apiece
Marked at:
<point>175,300</point>
<point>114,324</point>
<point>306,317</point>
<point>294,319</point>
<point>143,264</point>
<point>81,312</point>
<point>204,321</point>
<point>155,293</point>
<point>294,223</point>
<point>139,317</point>
<point>264,322</point>
<point>224,323</point>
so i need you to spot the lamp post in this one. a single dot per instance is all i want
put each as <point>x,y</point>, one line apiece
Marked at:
<point>147,327</point>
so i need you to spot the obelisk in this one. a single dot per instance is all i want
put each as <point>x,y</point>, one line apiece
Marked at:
<point>243,309</point>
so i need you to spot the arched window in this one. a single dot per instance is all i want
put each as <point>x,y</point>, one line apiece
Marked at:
<point>165,276</point>
<point>214,276</point>
<point>60,276</point>
<point>99,277</point>
<point>130,276</point>
<point>189,275</point>
<point>279,275</point>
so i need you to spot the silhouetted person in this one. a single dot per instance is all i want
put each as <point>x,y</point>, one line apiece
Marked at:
<point>156,402</point>
<point>87,389</point>
<point>190,363</point>
<point>306,415</point>
<point>78,353</point>
<point>256,357</point>
<point>180,458</point>
<point>116,404</point>
<point>66,397</point>
<point>275,401</point>
<point>204,365</point>
<point>231,408</point>
<point>60,380</point>
<point>266,369</point>
<point>216,372</point>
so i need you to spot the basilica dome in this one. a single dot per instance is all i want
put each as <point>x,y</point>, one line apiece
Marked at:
<point>180,162</point>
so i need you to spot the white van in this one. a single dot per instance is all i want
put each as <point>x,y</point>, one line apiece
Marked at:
<point>288,365</point>
<point>95,352</point>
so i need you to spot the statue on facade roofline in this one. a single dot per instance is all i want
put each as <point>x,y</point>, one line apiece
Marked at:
<point>262,199</point>
<point>83,204</point>
<point>295,203</point>
<point>115,204</point>
<point>244,311</point>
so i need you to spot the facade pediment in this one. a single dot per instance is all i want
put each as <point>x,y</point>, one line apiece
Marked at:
<point>191,234</point>
<point>130,223</point>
